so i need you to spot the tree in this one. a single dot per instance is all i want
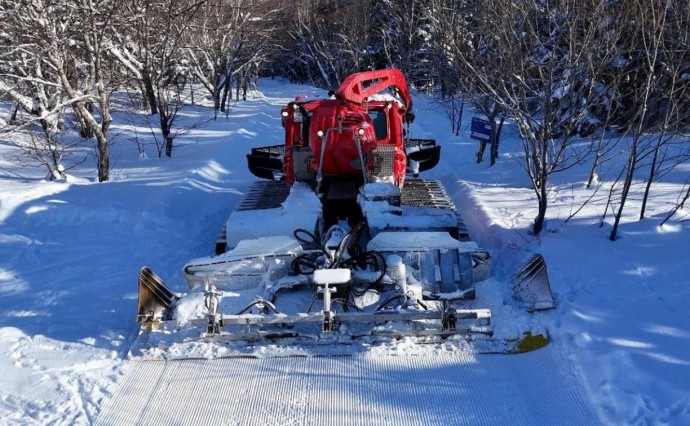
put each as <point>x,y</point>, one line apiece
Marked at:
<point>674,103</point>
<point>405,35</point>
<point>655,89</point>
<point>327,40</point>
<point>59,59</point>
<point>540,62</point>
<point>149,43</point>
<point>43,148</point>
<point>230,39</point>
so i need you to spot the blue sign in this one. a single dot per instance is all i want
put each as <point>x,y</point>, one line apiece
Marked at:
<point>481,129</point>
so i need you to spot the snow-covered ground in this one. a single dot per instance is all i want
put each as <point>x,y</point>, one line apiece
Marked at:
<point>70,253</point>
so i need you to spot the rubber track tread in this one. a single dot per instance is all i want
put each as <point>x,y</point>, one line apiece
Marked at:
<point>264,195</point>
<point>431,193</point>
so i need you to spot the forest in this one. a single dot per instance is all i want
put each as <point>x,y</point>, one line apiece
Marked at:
<point>612,73</point>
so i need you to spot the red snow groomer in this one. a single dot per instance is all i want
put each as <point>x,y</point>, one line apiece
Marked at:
<point>355,136</point>
<point>343,246</point>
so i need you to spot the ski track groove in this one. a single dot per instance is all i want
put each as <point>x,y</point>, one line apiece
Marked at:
<point>438,389</point>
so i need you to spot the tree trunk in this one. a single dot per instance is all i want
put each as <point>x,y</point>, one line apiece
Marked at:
<point>192,80</point>
<point>539,150</point>
<point>168,146</point>
<point>480,153</point>
<point>593,171</point>
<point>165,132</point>
<point>217,87</point>
<point>13,118</point>
<point>165,123</point>
<point>150,93</point>
<point>103,157</point>
<point>678,206</point>
<point>226,90</point>
<point>237,90</point>
<point>101,133</point>
<point>543,204</point>
<point>245,87</point>
<point>650,178</point>
<point>495,138</point>
<point>85,131</point>
<point>459,123</point>
<point>627,183</point>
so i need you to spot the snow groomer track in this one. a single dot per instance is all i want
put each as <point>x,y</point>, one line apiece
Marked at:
<point>438,388</point>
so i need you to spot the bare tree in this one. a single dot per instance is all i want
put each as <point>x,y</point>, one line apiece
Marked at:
<point>44,149</point>
<point>63,63</point>
<point>540,62</point>
<point>149,45</point>
<point>447,23</point>
<point>680,203</point>
<point>405,35</point>
<point>229,39</point>
<point>326,40</point>
<point>674,102</point>
<point>649,25</point>
<point>453,107</point>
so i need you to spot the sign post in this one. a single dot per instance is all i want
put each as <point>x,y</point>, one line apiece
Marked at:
<point>481,130</point>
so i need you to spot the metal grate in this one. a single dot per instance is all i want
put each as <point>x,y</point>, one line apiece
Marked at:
<point>302,158</point>
<point>384,159</point>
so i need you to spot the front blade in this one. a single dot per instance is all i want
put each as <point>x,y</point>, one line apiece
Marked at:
<point>531,285</point>
<point>151,346</point>
<point>155,301</point>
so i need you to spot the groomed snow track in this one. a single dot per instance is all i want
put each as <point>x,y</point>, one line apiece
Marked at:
<point>435,389</point>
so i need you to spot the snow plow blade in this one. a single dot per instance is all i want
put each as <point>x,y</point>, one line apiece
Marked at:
<point>388,282</point>
<point>531,285</point>
<point>155,301</point>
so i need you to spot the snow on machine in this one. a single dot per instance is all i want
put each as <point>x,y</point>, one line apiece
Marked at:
<point>343,247</point>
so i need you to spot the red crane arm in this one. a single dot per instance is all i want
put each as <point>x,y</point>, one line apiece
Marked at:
<point>358,87</point>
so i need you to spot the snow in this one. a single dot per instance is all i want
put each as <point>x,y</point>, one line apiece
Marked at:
<point>70,253</point>
<point>299,211</point>
<point>251,259</point>
<point>419,241</point>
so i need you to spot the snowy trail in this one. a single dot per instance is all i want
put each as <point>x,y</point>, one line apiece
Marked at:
<point>443,389</point>
<point>70,253</point>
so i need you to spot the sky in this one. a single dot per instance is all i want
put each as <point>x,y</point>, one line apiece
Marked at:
<point>71,250</point>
